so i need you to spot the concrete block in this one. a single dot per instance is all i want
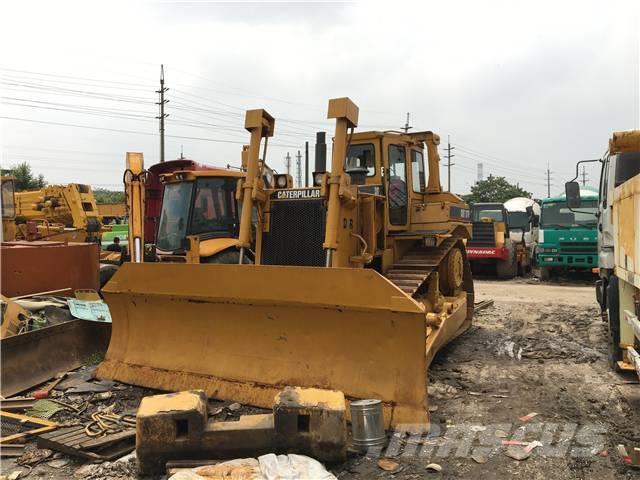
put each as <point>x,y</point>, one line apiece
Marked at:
<point>312,422</point>
<point>169,425</point>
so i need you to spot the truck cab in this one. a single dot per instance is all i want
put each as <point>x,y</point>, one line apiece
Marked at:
<point>567,237</point>
<point>617,168</point>
<point>618,231</point>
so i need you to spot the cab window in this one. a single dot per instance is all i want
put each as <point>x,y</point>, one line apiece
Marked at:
<point>397,185</point>
<point>417,171</point>
<point>363,155</point>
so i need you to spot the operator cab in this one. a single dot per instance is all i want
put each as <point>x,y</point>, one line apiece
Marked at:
<point>488,212</point>
<point>197,203</point>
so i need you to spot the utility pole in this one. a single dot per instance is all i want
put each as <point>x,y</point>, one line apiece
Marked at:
<point>548,181</point>
<point>406,125</point>
<point>287,163</point>
<point>480,171</point>
<point>181,152</point>
<point>299,169</point>
<point>306,164</point>
<point>162,116</point>
<point>449,164</point>
<point>584,175</point>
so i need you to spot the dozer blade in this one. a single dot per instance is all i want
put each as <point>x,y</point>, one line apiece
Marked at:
<point>243,332</point>
<point>32,358</point>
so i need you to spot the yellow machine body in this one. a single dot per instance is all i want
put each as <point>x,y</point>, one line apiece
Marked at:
<point>61,212</point>
<point>207,244</point>
<point>357,282</point>
<point>8,209</point>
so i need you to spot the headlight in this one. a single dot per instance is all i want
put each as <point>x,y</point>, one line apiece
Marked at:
<point>429,241</point>
<point>317,178</point>
<point>281,181</point>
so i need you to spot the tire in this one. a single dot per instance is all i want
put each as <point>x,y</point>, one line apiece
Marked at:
<point>106,272</point>
<point>545,274</point>
<point>508,269</point>
<point>615,352</point>
<point>226,257</point>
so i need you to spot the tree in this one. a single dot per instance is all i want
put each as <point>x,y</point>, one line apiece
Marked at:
<point>25,178</point>
<point>494,189</point>
<point>108,196</point>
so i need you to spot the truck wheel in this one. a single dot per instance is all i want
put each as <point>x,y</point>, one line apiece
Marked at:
<point>615,352</point>
<point>230,257</point>
<point>508,269</point>
<point>545,274</point>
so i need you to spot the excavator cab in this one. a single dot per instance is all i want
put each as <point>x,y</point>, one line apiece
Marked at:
<point>357,281</point>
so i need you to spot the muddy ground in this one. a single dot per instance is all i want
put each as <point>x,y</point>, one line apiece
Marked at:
<point>541,348</point>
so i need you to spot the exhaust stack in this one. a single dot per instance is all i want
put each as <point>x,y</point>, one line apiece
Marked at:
<point>321,152</point>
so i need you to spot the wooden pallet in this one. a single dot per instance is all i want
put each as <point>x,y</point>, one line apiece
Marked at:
<point>75,441</point>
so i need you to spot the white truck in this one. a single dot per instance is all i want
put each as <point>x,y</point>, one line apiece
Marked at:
<point>618,286</point>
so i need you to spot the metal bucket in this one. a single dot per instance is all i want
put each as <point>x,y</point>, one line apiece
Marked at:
<point>367,424</point>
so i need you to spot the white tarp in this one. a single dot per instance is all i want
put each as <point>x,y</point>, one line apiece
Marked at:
<point>266,467</point>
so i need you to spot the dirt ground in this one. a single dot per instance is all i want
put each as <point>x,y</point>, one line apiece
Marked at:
<point>541,348</point>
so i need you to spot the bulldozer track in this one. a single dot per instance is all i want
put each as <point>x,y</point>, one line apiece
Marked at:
<point>413,269</point>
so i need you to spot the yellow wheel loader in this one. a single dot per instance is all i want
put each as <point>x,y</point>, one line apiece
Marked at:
<point>357,282</point>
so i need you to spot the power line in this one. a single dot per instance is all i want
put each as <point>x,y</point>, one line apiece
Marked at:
<point>74,77</point>
<point>217,140</point>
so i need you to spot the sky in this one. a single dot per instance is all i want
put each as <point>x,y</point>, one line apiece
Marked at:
<point>518,86</point>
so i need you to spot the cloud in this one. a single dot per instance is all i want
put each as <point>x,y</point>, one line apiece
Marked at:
<point>515,85</point>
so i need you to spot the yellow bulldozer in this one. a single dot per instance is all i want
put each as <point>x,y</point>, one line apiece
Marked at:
<point>357,282</point>
<point>59,212</point>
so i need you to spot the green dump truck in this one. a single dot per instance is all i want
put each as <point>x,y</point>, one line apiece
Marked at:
<point>568,238</point>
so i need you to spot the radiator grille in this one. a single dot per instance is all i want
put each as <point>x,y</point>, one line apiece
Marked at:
<point>482,235</point>
<point>296,234</point>
<point>578,247</point>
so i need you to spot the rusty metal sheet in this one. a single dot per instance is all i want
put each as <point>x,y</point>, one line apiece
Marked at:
<point>32,358</point>
<point>29,267</point>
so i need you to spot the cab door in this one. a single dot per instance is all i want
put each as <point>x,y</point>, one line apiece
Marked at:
<point>397,182</point>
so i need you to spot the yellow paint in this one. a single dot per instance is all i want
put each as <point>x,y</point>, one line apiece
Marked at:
<point>262,421</point>
<point>216,245</point>
<point>626,214</point>
<point>627,141</point>
<point>314,397</point>
<point>154,404</point>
